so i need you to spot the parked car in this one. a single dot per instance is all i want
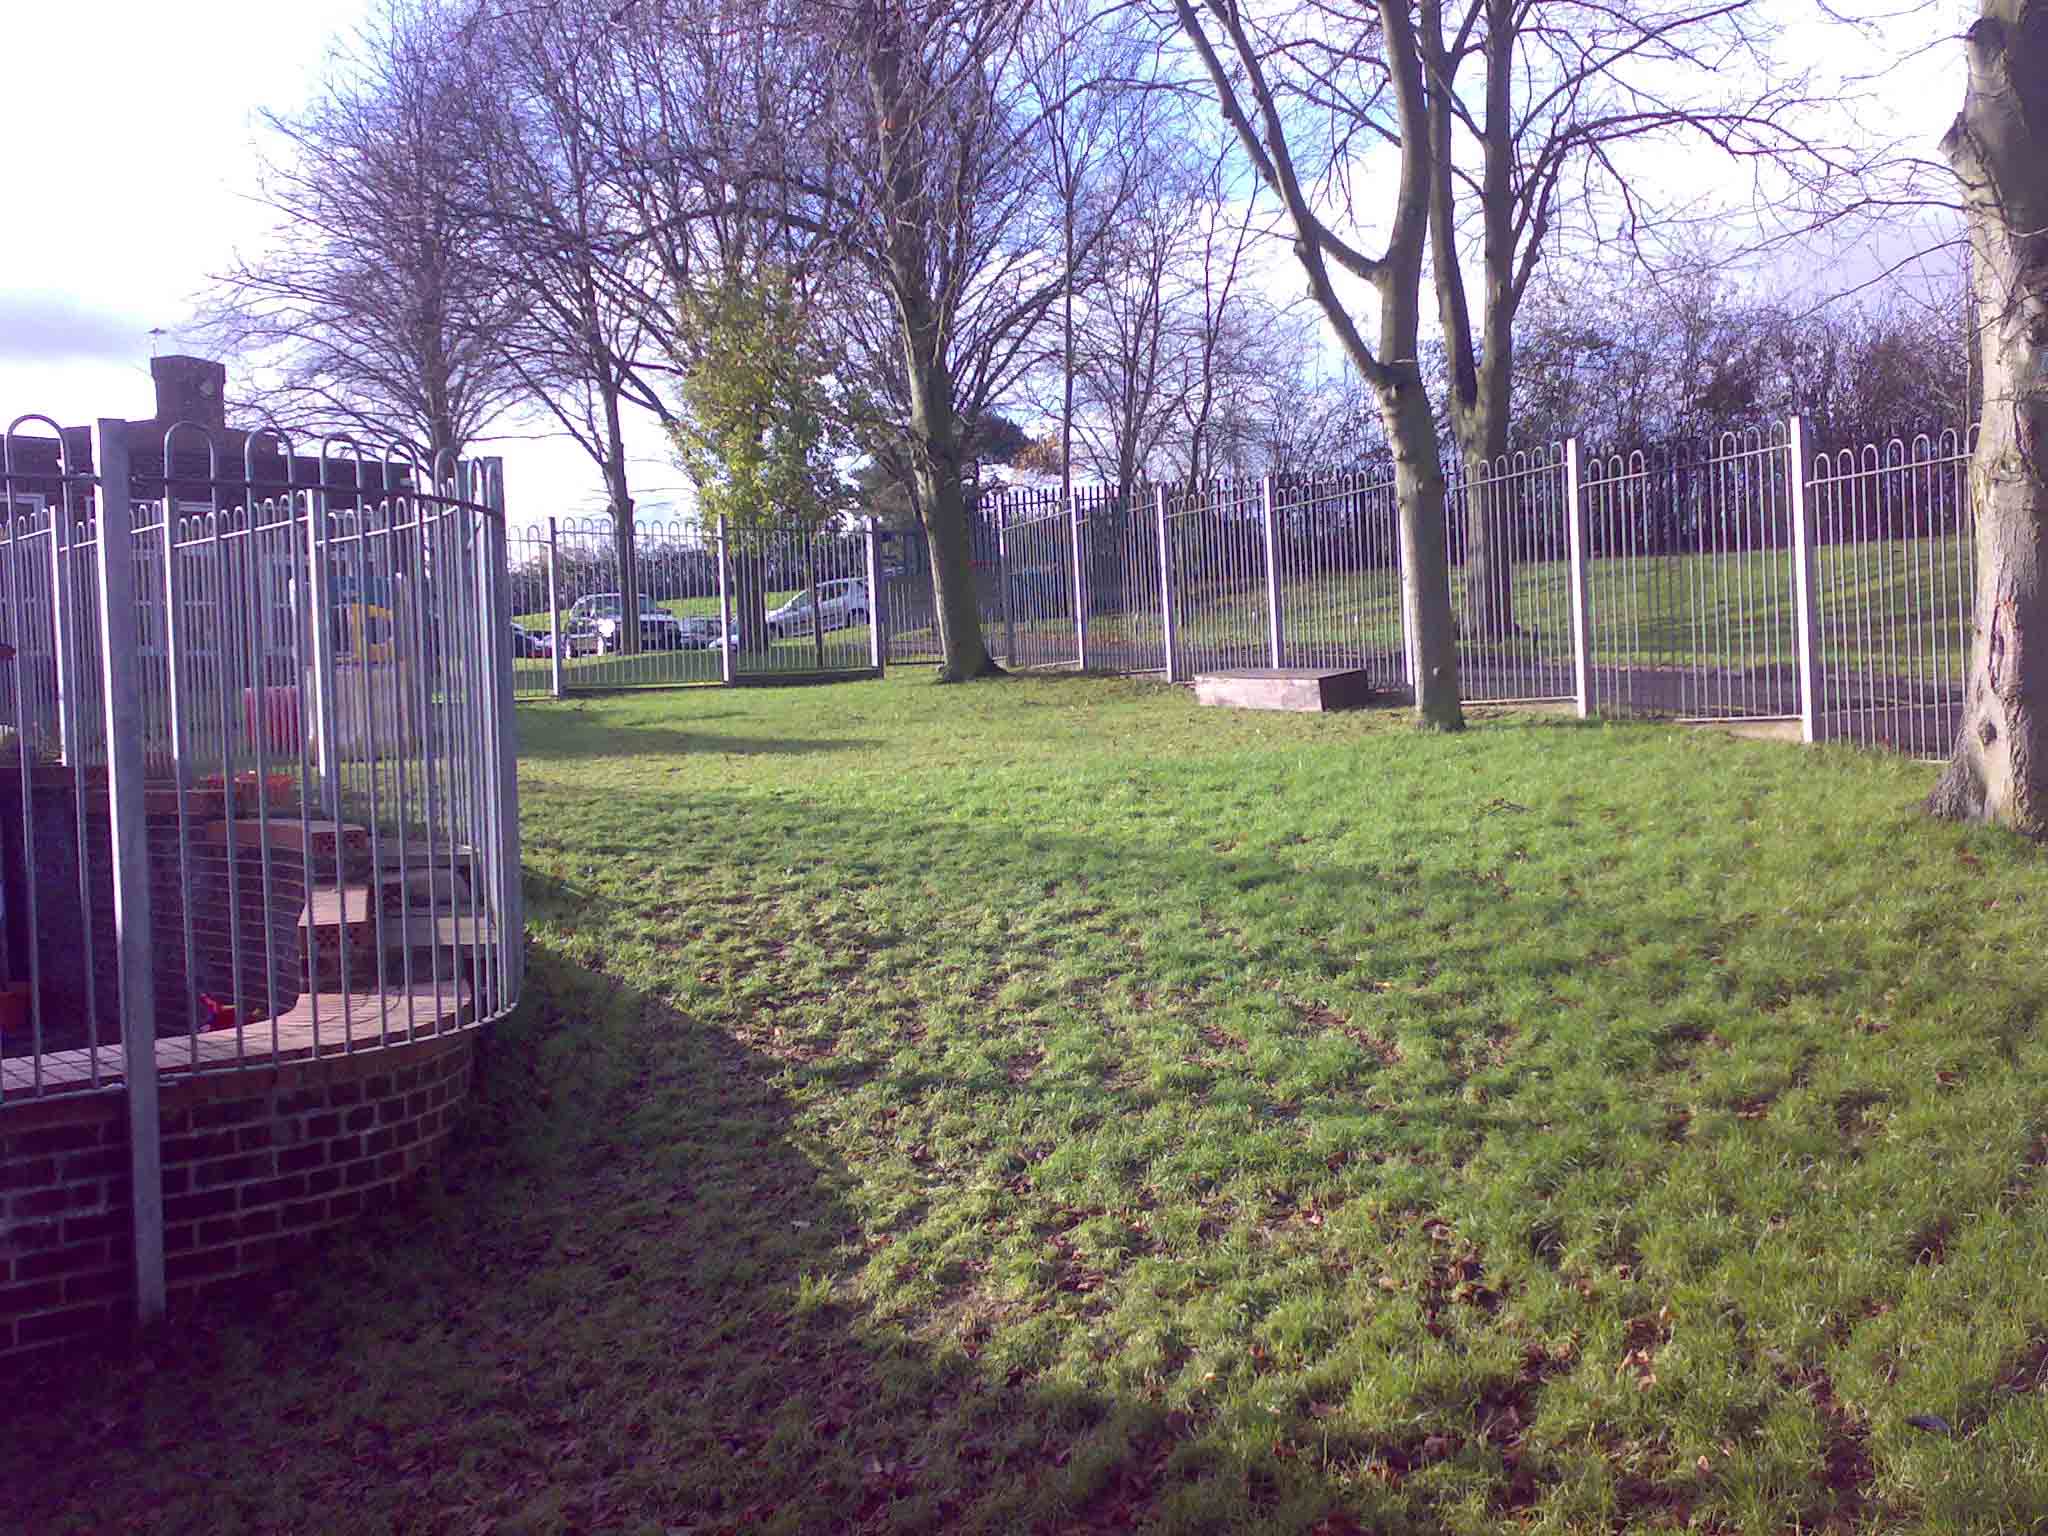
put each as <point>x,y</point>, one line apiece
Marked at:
<point>594,625</point>
<point>701,634</point>
<point>836,605</point>
<point>526,644</point>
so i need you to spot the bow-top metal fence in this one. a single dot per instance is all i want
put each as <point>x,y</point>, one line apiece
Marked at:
<point>1337,574</point>
<point>1744,579</point>
<point>1694,601</point>
<point>1895,573</point>
<point>1508,527</point>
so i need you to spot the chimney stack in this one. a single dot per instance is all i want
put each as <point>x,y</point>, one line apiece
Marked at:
<point>190,389</point>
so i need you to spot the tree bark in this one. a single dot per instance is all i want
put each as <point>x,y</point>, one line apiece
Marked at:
<point>1425,588</point>
<point>1999,148</point>
<point>1392,370</point>
<point>1481,373</point>
<point>750,593</point>
<point>619,495</point>
<point>942,499</point>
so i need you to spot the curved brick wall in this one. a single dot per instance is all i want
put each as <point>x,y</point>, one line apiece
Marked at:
<point>256,1162</point>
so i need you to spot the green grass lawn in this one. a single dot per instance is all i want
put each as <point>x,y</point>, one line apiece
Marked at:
<point>1048,1106</point>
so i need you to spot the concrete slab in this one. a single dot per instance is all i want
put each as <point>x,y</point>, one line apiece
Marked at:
<point>1303,689</point>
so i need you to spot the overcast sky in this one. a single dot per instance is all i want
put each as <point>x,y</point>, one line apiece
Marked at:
<point>132,134</point>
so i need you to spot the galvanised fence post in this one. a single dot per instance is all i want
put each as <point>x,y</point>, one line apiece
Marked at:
<point>726,647</point>
<point>1582,619</point>
<point>64,633</point>
<point>121,682</point>
<point>877,609</point>
<point>1074,526</point>
<point>817,615</point>
<point>1165,580</point>
<point>554,617</point>
<point>1002,517</point>
<point>1803,581</point>
<point>319,616</point>
<point>511,893</point>
<point>1273,634</point>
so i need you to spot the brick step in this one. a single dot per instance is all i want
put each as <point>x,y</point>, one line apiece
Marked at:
<point>418,947</point>
<point>415,853</point>
<point>338,936</point>
<point>380,921</point>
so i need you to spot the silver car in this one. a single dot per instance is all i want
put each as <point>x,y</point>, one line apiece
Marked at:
<point>835,605</point>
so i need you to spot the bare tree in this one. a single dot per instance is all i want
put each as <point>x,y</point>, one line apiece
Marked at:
<point>1390,365</point>
<point>1236,347</point>
<point>1999,148</point>
<point>1094,125</point>
<point>1535,147</point>
<point>923,171</point>
<point>369,306</point>
<point>548,99</point>
<point>1593,360</point>
<point>1127,353</point>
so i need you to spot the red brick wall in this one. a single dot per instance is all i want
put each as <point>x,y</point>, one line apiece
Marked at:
<point>256,1163</point>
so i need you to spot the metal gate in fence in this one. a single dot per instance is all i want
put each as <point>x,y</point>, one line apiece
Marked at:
<point>1696,600</point>
<point>719,606</point>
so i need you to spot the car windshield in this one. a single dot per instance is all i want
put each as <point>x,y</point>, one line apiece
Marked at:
<point>826,592</point>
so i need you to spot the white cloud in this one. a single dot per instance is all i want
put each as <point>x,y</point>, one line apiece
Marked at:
<point>51,327</point>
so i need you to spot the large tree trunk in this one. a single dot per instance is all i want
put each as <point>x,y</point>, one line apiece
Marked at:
<point>750,593</point>
<point>621,499</point>
<point>936,441</point>
<point>1999,148</point>
<point>1425,567</point>
<point>1489,521</point>
<point>942,498</point>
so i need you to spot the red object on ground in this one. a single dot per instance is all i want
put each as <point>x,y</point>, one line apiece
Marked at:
<point>271,716</point>
<point>219,1015</point>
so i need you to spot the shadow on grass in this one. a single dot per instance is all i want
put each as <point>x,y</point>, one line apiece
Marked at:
<point>621,1301</point>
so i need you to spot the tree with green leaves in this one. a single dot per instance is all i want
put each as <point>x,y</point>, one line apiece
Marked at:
<point>757,429</point>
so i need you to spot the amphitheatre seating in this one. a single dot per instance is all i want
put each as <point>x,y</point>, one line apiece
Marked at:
<point>371,941</point>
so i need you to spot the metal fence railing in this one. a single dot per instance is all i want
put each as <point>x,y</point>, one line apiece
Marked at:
<point>1693,600</point>
<point>1040,589</point>
<point>1895,570</point>
<point>1338,573</point>
<point>1748,579</point>
<point>1509,533</point>
<point>1745,579</point>
<point>257,794</point>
